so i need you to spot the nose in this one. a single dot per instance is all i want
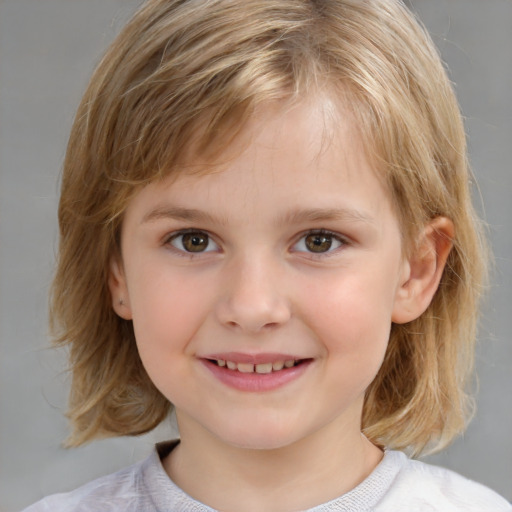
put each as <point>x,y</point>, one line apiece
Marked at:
<point>253,297</point>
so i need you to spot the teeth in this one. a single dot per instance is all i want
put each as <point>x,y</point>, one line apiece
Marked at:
<point>258,368</point>
<point>245,367</point>
<point>264,368</point>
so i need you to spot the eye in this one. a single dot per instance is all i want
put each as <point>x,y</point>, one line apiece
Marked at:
<point>318,242</point>
<point>193,241</point>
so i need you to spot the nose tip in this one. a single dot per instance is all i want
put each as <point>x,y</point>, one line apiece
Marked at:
<point>253,301</point>
<point>254,316</point>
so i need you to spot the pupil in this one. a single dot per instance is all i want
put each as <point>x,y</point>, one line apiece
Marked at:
<point>318,243</point>
<point>195,242</point>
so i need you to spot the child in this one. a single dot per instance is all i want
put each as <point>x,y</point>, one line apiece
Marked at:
<point>266,222</point>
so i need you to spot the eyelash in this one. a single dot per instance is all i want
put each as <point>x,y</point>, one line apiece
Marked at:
<point>182,251</point>
<point>342,241</point>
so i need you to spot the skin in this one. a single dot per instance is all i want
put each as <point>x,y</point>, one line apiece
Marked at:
<point>258,288</point>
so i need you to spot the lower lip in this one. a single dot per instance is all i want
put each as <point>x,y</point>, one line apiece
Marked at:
<point>256,382</point>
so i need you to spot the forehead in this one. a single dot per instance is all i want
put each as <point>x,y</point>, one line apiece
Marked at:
<point>315,126</point>
<point>305,156</point>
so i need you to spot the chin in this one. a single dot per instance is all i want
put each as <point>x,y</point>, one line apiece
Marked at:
<point>261,437</point>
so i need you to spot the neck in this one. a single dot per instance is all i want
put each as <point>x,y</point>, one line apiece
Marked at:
<point>311,471</point>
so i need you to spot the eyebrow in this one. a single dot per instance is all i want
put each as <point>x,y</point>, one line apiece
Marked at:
<point>178,213</point>
<point>327,214</point>
<point>293,217</point>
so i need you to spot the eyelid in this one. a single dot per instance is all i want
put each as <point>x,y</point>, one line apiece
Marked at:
<point>181,232</point>
<point>343,240</point>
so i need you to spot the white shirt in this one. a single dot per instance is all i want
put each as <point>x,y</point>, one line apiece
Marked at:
<point>397,484</point>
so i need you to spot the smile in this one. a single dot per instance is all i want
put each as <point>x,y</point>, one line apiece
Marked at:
<point>261,368</point>
<point>264,372</point>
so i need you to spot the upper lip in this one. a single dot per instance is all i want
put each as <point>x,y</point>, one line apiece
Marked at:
<point>261,358</point>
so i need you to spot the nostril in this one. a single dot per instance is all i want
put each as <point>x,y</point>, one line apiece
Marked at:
<point>265,326</point>
<point>251,314</point>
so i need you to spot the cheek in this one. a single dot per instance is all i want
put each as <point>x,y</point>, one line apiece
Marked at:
<point>167,310</point>
<point>352,317</point>
<point>356,343</point>
<point>166,316</point>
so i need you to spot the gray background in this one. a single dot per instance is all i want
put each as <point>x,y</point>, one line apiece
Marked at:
<point>47,51</point>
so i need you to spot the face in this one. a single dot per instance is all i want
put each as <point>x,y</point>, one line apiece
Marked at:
<point>262,292</point>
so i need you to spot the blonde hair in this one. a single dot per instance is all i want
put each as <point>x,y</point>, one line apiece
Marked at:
<point>185,70</point>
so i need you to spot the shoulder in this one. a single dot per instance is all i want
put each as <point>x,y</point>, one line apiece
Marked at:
<point>145,486</point>
<point>119,491</point>
<point>423,487</point>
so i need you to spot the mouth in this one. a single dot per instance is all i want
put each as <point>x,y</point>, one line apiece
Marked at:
<point>259,368</point>
<point>263,372</point>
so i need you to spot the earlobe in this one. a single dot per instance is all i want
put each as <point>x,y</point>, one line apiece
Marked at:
<point>424,270</point>
<point>118,289</point>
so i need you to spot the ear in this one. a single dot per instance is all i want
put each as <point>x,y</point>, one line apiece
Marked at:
<point>423,270</point>
<point>118,288</point>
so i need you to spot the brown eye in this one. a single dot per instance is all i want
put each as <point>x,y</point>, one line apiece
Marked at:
<point>193,241</point>
<point>318,242</point>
